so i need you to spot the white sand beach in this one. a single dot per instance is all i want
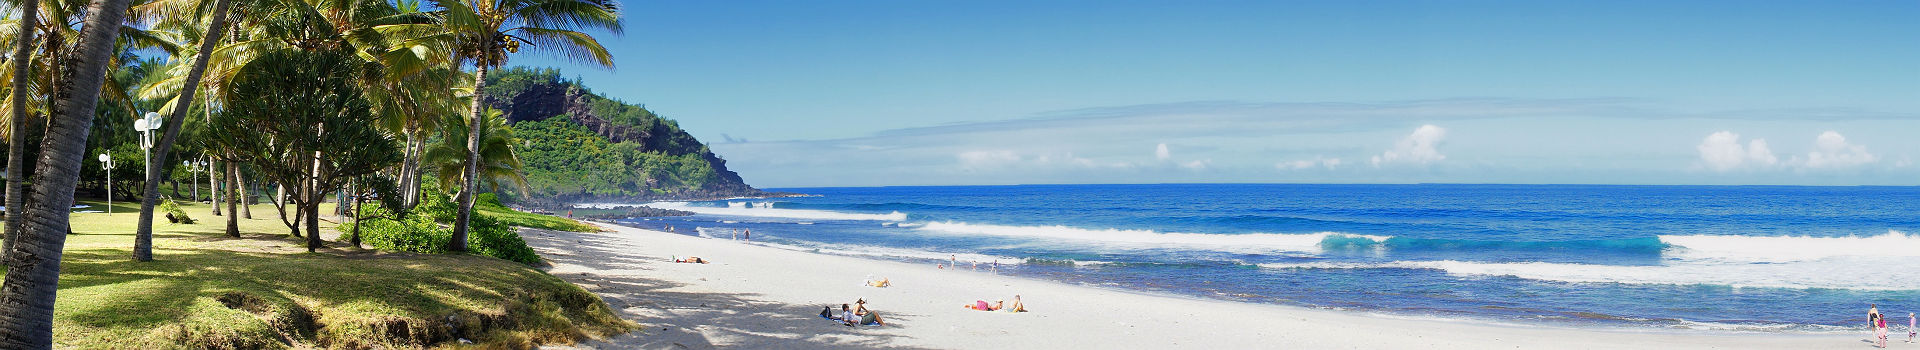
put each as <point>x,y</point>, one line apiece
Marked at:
<point>754,296</point>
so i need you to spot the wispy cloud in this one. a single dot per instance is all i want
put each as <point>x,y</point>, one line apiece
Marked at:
<point>1484,140</point>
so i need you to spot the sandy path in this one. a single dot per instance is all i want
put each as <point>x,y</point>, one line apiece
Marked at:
<point>761,297</point>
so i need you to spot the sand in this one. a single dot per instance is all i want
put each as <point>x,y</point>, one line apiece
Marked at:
<point>754,296</point>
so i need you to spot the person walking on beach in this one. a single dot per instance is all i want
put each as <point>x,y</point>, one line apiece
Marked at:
<point>1910,332</point>
<point>1879,324</point>
<point>1880,331</point>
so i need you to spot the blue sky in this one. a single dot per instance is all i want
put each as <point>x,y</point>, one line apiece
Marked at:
<point>868,93</point>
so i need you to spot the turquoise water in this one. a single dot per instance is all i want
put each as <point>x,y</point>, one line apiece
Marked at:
<point>1772,259</point>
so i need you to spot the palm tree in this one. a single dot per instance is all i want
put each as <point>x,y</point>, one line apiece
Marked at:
<point>17,120</point>
<point>485,31</point>
<point>409,105</point>
<point>33,75</point>
<point>216,24</point>
<point>498,161</point>
<point>33,273</point>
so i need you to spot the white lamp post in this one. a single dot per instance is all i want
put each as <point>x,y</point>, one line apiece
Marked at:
<point>146,126</point>
<point>107,163</point>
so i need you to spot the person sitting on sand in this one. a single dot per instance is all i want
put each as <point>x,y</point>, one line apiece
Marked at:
<point>867,317</point>
<point>846,315</point>
<point>1017,305</point>
<point>691,259</point>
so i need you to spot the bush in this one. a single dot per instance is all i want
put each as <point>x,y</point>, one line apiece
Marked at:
<point>488,200</point>
<point>491,237</point>
<point>416,233</point>
<point>424,232</point>
<point>175,214</point>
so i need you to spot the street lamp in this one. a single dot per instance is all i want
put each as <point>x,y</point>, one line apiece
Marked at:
<point>107,163</point>
<point>146,126</point>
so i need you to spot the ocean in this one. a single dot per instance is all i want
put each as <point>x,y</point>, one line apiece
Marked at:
<point>1737,258</point>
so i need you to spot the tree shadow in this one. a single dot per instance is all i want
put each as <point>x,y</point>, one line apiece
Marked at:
<point>678,319</point>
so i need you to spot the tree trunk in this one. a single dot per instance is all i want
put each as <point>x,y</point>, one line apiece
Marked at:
<point>33,269</point>
<point>410,170</point>
<point>233,221</point>
<point>244,193</point>
<point>355,214</point>
<point>219,184</point>
<point>314,197</point>
<point>280,203</point>
<point>17,144</point>
<point>460,225</point>
<point>143,235</point>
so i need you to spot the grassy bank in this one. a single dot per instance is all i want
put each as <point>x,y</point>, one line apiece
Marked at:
<point>206,290</point>
<point>491,207</point>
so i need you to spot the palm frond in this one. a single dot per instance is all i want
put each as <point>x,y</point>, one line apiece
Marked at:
<point>568,44</point>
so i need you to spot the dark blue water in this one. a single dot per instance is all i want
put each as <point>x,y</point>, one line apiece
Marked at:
<point>1790,259</point>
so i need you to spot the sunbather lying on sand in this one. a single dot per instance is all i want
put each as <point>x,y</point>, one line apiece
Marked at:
<point>691,259</point>
<point>983,306</point>
<point>882,282</point>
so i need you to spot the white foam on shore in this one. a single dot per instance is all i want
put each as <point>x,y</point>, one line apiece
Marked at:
<point>1791,248</point>
<point>1148,239</point>
<point>965,259</point>
<point>1836,273</point>
<point>763,210</point>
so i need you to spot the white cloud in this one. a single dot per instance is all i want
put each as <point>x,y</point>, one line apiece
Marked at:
<point>1162,153</point>
<point>1417,148</point>
<point>1303,164</point>
<point>1721,151</point>
<point>1197,165</point>
<point>1831,151</point>
<point>974,160</point>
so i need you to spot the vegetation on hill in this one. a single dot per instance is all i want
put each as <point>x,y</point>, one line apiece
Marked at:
<point>579,145</point>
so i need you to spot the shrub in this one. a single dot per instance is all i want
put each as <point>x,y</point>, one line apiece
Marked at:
<point>416,233</point>
<point>175,214</point>
<point>422,233</point>
<point>488,200</point>
<point>493,238</point>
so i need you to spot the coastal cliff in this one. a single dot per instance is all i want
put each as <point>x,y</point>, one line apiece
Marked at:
<point>579,146</point>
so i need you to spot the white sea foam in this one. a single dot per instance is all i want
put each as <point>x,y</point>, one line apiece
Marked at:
<point>762,210</point>
<point>965,259</point>
<point>1791,248</point>
<point>1836,273</point>
<point>1148,239</point>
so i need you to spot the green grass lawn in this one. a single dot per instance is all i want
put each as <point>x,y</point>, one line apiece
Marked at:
<point>206,290</point>
<point>525,219</point>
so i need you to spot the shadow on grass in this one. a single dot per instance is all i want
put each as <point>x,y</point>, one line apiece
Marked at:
<point>402,299</point>
<point>674,319</point>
